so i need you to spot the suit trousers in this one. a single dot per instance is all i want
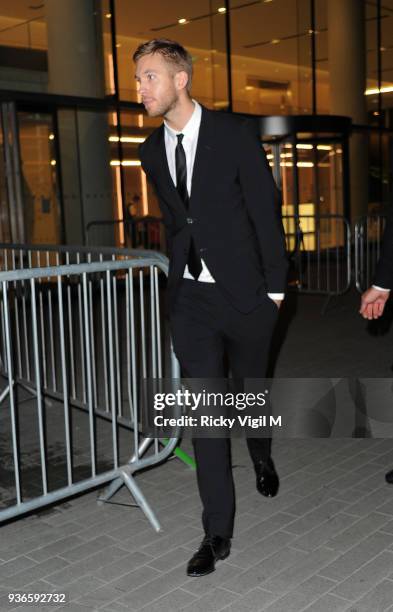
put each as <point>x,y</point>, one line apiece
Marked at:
<point>209,336</point>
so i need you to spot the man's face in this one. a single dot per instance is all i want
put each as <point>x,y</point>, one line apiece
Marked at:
<point>156,79</point>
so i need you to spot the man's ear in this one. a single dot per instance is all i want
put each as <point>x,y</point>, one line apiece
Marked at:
<point>181,79</point>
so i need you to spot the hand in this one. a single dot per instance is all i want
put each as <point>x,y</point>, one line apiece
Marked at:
<point>373,303</point>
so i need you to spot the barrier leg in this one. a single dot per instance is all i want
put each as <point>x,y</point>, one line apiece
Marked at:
<point>118,482</point>
<point>110,491</point>
<point>326,305</point>
<point>140,499</point>
<point>5,393</point>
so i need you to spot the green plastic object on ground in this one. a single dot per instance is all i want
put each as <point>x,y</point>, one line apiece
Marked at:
<point>180,454</point>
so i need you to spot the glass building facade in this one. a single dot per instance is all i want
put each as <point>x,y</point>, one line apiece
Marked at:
<point>318,74</point>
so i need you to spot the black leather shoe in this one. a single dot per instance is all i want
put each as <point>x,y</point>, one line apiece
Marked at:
<point>267,478</point>
<point>211,549</point>
<point>389,477</point>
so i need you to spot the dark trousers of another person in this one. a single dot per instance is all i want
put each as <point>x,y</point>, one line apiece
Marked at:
<point>206,329</point>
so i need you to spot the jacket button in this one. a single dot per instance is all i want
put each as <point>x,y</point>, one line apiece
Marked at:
<point>190,220</point>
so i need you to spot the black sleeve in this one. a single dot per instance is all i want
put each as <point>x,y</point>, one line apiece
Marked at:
<point>260,194</point>
<point>384,272</point>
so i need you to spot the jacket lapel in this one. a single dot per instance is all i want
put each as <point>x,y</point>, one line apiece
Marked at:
<point>164,176</point>
<point>202,163</point>
<point>203,157</point>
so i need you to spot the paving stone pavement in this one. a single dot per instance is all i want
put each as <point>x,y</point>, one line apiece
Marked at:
<point>324,544</point>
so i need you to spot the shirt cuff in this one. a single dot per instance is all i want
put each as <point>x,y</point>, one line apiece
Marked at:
<point>276,296</point>
<point>380,288</point>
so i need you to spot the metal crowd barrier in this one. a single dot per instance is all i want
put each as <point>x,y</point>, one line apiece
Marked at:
<point>320,253</point>
<point>319,247</point>
<point>78,336</point>
<point>368,239</point>
<point>16,256</point>
<point>137,233</point>
<point>19,257</point>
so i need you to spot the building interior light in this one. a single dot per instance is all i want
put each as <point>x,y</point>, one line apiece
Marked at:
<point>182,20</point>
<point>275,41</point>
<point>222,9</point>
<point>51,136</point>
<point>53,162</point>
<point>108,15</point>
<point>375,90</point>
<point>135,139</point>
<point>125,162</point>
<point>306,147</point>
<point>300,164</point>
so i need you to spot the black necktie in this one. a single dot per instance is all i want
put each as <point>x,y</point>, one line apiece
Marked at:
<point>194,262</point>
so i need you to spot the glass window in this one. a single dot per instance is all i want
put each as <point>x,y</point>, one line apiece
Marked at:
<point>372,59</point>
<point>55,47</point>
<point>271,61</point>
<point>387,59</point>
<point>322,58</point>
<point>200,27</point>
<point>39,178</point>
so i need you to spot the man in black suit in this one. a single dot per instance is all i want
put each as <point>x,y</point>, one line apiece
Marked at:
<point>374,299</point>
<point>226,250</point>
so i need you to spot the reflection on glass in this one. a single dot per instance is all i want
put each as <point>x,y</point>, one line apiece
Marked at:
<point>5,222</point>
<point>22,26</point>
<point>139,197</point>
<point>322,57</point>
<point>271,67</point>
<point>372,58</point>
<point>38,165</point>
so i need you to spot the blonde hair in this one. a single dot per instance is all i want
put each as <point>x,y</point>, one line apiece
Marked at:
<point>171,51</point>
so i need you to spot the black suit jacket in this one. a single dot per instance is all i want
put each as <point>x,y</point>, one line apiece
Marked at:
<point>384,272</point>
<point>233,214</point>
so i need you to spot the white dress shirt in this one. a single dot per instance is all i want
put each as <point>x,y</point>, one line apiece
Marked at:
<point>189,142</point>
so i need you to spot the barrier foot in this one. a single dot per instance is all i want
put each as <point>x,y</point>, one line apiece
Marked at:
<point>326,305</point>
<point>181,454</point>
<point>110,491</point>
<point>140,499</point>
<point>118,482</point>
<point>4,393</point>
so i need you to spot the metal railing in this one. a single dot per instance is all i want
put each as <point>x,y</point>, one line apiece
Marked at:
<point>369,232</point>
<point>79,336</point>
<point>137,233</point>
<point>20,257</point>
<point>319,248</point>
